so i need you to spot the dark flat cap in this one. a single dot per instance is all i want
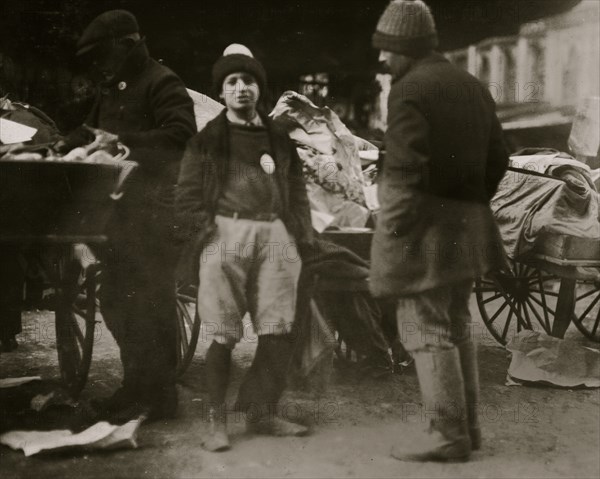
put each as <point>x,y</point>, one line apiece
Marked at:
<point>112,24</point>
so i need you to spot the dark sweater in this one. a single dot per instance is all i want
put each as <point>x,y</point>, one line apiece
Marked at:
<point>249,190</point>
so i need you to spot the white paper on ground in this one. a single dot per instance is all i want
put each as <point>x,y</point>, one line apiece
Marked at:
<point>538,357</point>
<point>101,435</point>
<point>15,382</point>
<point>13,132</point>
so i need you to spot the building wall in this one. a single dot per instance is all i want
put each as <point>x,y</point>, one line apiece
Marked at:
<point>552,62</point>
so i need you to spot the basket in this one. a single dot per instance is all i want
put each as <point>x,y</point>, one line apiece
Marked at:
<point>59,201</point>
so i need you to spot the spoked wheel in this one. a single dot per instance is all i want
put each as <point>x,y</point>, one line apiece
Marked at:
<point>75,320</point>
<point>523,298</point>
<point>188,327</point>
<point>587,309</point>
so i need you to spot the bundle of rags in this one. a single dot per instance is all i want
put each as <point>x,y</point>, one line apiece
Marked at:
<point>333,296</point>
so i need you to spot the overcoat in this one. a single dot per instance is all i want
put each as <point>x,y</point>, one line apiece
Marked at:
<point>445,156</point>
<point>202,177</point>
<point>147,105</point>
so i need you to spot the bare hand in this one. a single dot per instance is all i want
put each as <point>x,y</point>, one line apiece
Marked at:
<point>104,140</point>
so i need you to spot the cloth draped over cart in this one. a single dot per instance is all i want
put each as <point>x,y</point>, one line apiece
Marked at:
<point>345,306</point>
<point>529,206</point>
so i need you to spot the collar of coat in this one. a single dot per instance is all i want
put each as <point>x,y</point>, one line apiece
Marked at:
<point>214,153</point>
<point>216,138</point>
<point>433,57</point>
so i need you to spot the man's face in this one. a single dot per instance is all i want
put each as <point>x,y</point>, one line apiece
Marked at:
<point>108,59</point>
<point>240,91</point>
<point>397,64</point>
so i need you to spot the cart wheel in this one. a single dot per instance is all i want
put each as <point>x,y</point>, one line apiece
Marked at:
<point>524,298</point>
<point>188,327</point>
<point>75,322</point>
<point>587,309</point>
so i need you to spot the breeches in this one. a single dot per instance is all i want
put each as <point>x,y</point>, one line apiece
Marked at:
<point>250,267</point>
<point>435,319</point>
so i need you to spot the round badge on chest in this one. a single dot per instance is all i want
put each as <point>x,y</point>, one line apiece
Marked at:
<point>267,163</point>
<point>122,85</point>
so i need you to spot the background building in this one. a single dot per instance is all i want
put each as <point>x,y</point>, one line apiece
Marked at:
<point>538,77</point>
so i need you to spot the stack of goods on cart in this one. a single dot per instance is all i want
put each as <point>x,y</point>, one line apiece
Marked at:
<point>548,194</point>
<point>27,134</point>
<point>331,160</point>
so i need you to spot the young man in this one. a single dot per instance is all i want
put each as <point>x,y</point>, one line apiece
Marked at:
<point>145,106</point>
<point>435,232</point>
<point>241,187</point>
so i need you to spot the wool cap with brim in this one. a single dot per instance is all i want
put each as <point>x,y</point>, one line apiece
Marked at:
<point>113,24</point>
<point>237,61</point>
<point>406,27</point>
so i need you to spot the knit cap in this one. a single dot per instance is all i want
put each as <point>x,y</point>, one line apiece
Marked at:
<point>406,27</point>
<point>237,58</point>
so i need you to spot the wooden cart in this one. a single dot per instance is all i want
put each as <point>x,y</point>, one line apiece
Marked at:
<point>49,207</point>
<point>558,283</point>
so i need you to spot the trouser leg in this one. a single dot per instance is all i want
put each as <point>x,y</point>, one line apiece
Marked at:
<point>431,335</point>
<point>264,385</point>
<point>468,360</point>
<point>138,305</point>
<point>218,365</point>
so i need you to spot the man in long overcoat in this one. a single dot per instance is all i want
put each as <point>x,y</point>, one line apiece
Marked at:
<point>144,105</point>
<point>435,232</point>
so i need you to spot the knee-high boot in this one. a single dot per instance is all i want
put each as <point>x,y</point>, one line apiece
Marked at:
<point>468,362</point>
<point>218,366</point>
<point>443,394</point>
<point>264,385</point>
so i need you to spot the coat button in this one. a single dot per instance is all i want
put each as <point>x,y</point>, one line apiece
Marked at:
<point>122,85</point>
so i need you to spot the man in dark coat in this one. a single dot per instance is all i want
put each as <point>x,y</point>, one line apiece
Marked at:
<point>241,188</point>
<point>435,232</point>
<point>145,106</point>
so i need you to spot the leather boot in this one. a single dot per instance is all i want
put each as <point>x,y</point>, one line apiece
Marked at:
<point>468,363</point>
<point>218,365</point>
<point>443,394</point>
<point>216,438</point>
<point>268,376</point>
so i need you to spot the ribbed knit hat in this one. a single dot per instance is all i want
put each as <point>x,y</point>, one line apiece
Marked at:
<point>237,58</point>
<point>406,27</point>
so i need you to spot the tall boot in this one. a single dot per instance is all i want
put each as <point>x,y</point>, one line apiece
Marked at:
<point>468,363</point>
<point>218,366</point>
<point>443,394</point>
<point>273,355</point>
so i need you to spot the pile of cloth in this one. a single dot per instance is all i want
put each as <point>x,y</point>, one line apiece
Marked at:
<point>529,206</point>
<point>330,157</point>
<point>366,325</point>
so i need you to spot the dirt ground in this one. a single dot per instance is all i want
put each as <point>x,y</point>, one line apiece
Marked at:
<point>531,432</point>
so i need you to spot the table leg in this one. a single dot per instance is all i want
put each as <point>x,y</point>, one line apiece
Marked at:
<point>564,307</point>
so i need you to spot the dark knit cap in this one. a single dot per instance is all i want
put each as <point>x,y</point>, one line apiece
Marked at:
<point>113,24</point>
<point>406,27</point>
<point>238,62</point>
